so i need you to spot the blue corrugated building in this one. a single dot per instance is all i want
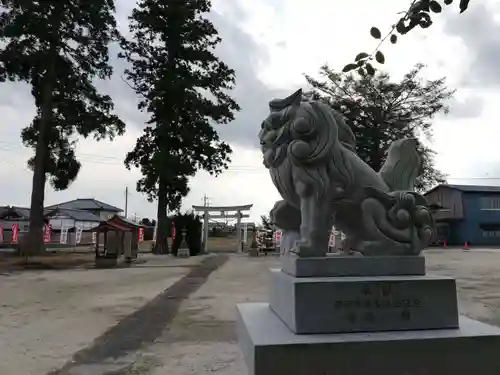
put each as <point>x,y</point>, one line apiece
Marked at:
<point>466,213</point>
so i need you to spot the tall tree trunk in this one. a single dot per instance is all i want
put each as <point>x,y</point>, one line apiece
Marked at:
<point>161,245</point>
<point>34,243</point>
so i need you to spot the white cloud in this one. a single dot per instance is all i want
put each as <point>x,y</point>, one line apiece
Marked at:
<point>270,44</point>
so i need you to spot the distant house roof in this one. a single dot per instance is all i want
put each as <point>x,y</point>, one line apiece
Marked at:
<point>16,212</point>
<point>469,188</point>
<point>19,212</point>
<point>85,204</point>
<point>78,215</point>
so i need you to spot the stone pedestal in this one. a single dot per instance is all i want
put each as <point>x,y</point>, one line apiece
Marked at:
<point>351,315</point>
<point>269,347</point>
<point>337,265</point>
<point>253,252</point>
<point>363,304</point>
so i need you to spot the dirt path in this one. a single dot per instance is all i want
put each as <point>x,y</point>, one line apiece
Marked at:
<point>47,316</point>
<point>140,328</point>
<point>202,339</point>
<point>185,330</point>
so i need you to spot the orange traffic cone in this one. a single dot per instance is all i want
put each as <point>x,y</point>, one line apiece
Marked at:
<point>466,246</point>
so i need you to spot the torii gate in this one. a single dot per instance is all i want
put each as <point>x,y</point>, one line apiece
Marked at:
<point>223,214</point>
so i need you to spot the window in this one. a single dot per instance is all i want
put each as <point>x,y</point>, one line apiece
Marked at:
<point>491,233</point>
<point>490,203</point>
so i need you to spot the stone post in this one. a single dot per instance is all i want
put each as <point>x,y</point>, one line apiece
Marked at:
<point>238,229</point>
<point>183,251</point>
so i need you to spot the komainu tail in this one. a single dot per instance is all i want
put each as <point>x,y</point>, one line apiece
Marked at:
<point>402,165</point>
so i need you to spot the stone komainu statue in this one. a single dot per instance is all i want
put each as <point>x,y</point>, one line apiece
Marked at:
<point>310,152</point>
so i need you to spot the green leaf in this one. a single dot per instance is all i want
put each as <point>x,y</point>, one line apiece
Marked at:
<point>370,69</point>
<point>349,67</point>
<point>419,6</point>
<point>375,32</point>
<point>401,27</point>
<point>379,56</point>
<point>448,2</point>
<point>362,55</point>
<point>424,24</point>
<point>464,4</point>
<point>421,19</point>
<point>435,7</point>
<point>394,38</point>
<point>361,72</point>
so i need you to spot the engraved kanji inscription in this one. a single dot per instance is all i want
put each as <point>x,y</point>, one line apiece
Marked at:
<point>405,315</point>
<point>369,316</point>
<point>351,317</point>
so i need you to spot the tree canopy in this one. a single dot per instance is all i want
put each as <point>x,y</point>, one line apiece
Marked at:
<point>266,222</point>
<point>59,47</point>
<point>380,111</point>
<point>183,86</point>
<point>419,13</point>
<point>149,223</point>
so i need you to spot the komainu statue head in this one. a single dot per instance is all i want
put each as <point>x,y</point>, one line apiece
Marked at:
<point>305,130</point>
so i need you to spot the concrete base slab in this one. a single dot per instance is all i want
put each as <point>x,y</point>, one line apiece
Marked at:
<point>183,253</point>
<point>269,347</point>
<point>101,369</point>
<point>103,262</point>
<point>363,304</point>
<point>339,265</point>
<point>253,252</point>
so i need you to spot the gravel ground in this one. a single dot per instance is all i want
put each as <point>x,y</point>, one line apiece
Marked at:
<point>202,340</point>
<point>47,316</point>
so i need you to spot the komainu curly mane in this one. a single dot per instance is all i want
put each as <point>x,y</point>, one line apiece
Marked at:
<point>309,150</point>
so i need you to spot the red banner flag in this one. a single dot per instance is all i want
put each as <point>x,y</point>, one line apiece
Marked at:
<point>47,233</point>
<point>141,235</point>
<point>277,238</point>
<point>15,233</point>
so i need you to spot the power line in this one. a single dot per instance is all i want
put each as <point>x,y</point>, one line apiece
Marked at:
<point>101,158</point>
<point>114,160</point>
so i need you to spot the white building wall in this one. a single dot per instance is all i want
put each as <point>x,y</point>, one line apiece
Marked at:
<point>87,224</point>
<point>105,215</point>
<point>59,222</point>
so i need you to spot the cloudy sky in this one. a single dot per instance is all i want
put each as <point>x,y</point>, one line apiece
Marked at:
<point>271,44</point>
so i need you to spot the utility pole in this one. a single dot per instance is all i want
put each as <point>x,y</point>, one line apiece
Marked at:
<point>206,201</point>
<point>126,201</point>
